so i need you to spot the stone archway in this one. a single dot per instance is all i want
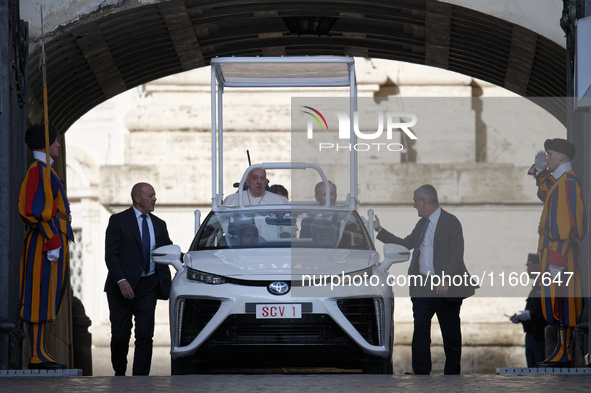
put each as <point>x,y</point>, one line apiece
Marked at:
<point>113,49</point>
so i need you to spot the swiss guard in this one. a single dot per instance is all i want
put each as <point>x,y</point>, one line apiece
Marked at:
<point>44,270</point>
<point>562,226</point>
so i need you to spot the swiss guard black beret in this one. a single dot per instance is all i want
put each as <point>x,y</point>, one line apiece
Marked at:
<point>561,146</point>
<point>35,136</point>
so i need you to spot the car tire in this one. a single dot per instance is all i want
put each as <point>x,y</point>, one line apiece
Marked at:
<point>182,366</point>
<point>378,366</point>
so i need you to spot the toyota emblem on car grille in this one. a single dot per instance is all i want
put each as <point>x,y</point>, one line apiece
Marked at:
<point>278,288</point>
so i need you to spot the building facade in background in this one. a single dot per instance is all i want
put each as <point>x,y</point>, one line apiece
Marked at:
<point>475,144</point>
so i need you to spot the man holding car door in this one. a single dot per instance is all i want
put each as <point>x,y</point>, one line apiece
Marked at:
<point>438,244</point>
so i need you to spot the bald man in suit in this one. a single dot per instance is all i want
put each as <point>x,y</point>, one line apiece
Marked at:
<point>135,282</point>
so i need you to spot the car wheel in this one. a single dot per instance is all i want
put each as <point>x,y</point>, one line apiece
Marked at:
<point>378,366</point>
<point>182,366</point>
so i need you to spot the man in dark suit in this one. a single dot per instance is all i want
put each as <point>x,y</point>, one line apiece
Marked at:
<point>135,282</point>
<point>532,317</point>
<point>435,270</point>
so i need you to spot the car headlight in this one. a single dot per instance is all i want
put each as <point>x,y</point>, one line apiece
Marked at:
<point>359,273</point>
<point>356,278</point>
<point>196,275</point>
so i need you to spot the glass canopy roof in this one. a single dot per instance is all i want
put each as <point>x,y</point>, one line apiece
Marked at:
<point>308,71</point>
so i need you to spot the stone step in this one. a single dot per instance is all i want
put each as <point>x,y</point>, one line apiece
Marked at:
<point>41,373</point>
<point>546,370</point>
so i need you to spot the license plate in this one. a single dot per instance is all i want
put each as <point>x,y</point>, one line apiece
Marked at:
<point>278,311</point>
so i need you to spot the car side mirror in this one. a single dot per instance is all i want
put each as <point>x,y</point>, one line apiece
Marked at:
<point>394,253</point>
<point>168,255</point>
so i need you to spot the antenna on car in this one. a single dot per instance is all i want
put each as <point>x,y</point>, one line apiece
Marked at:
<point>237,184</point>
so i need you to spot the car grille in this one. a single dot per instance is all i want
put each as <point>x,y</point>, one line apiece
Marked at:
<point>365,314</point>
<point>316,329</point>
<point>193,315</point>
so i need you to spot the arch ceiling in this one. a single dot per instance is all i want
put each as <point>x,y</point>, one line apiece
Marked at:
<point>92,61</point>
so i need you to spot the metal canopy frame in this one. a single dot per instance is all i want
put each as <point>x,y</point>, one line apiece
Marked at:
<point>270,72</point>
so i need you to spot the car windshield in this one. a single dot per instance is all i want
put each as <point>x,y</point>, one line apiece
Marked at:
<point>287,228</point>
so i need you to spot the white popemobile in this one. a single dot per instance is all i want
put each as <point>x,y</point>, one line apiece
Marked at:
<point>284,285</point>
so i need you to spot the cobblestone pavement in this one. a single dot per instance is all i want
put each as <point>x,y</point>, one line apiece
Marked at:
<point>301,383</point>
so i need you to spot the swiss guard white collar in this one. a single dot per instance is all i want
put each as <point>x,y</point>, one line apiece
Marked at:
<point>39,155</point>
<point>567,166</point>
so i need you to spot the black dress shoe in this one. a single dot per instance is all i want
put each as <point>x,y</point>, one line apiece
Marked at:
<point>47,366</point>
<point>565,364</point>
